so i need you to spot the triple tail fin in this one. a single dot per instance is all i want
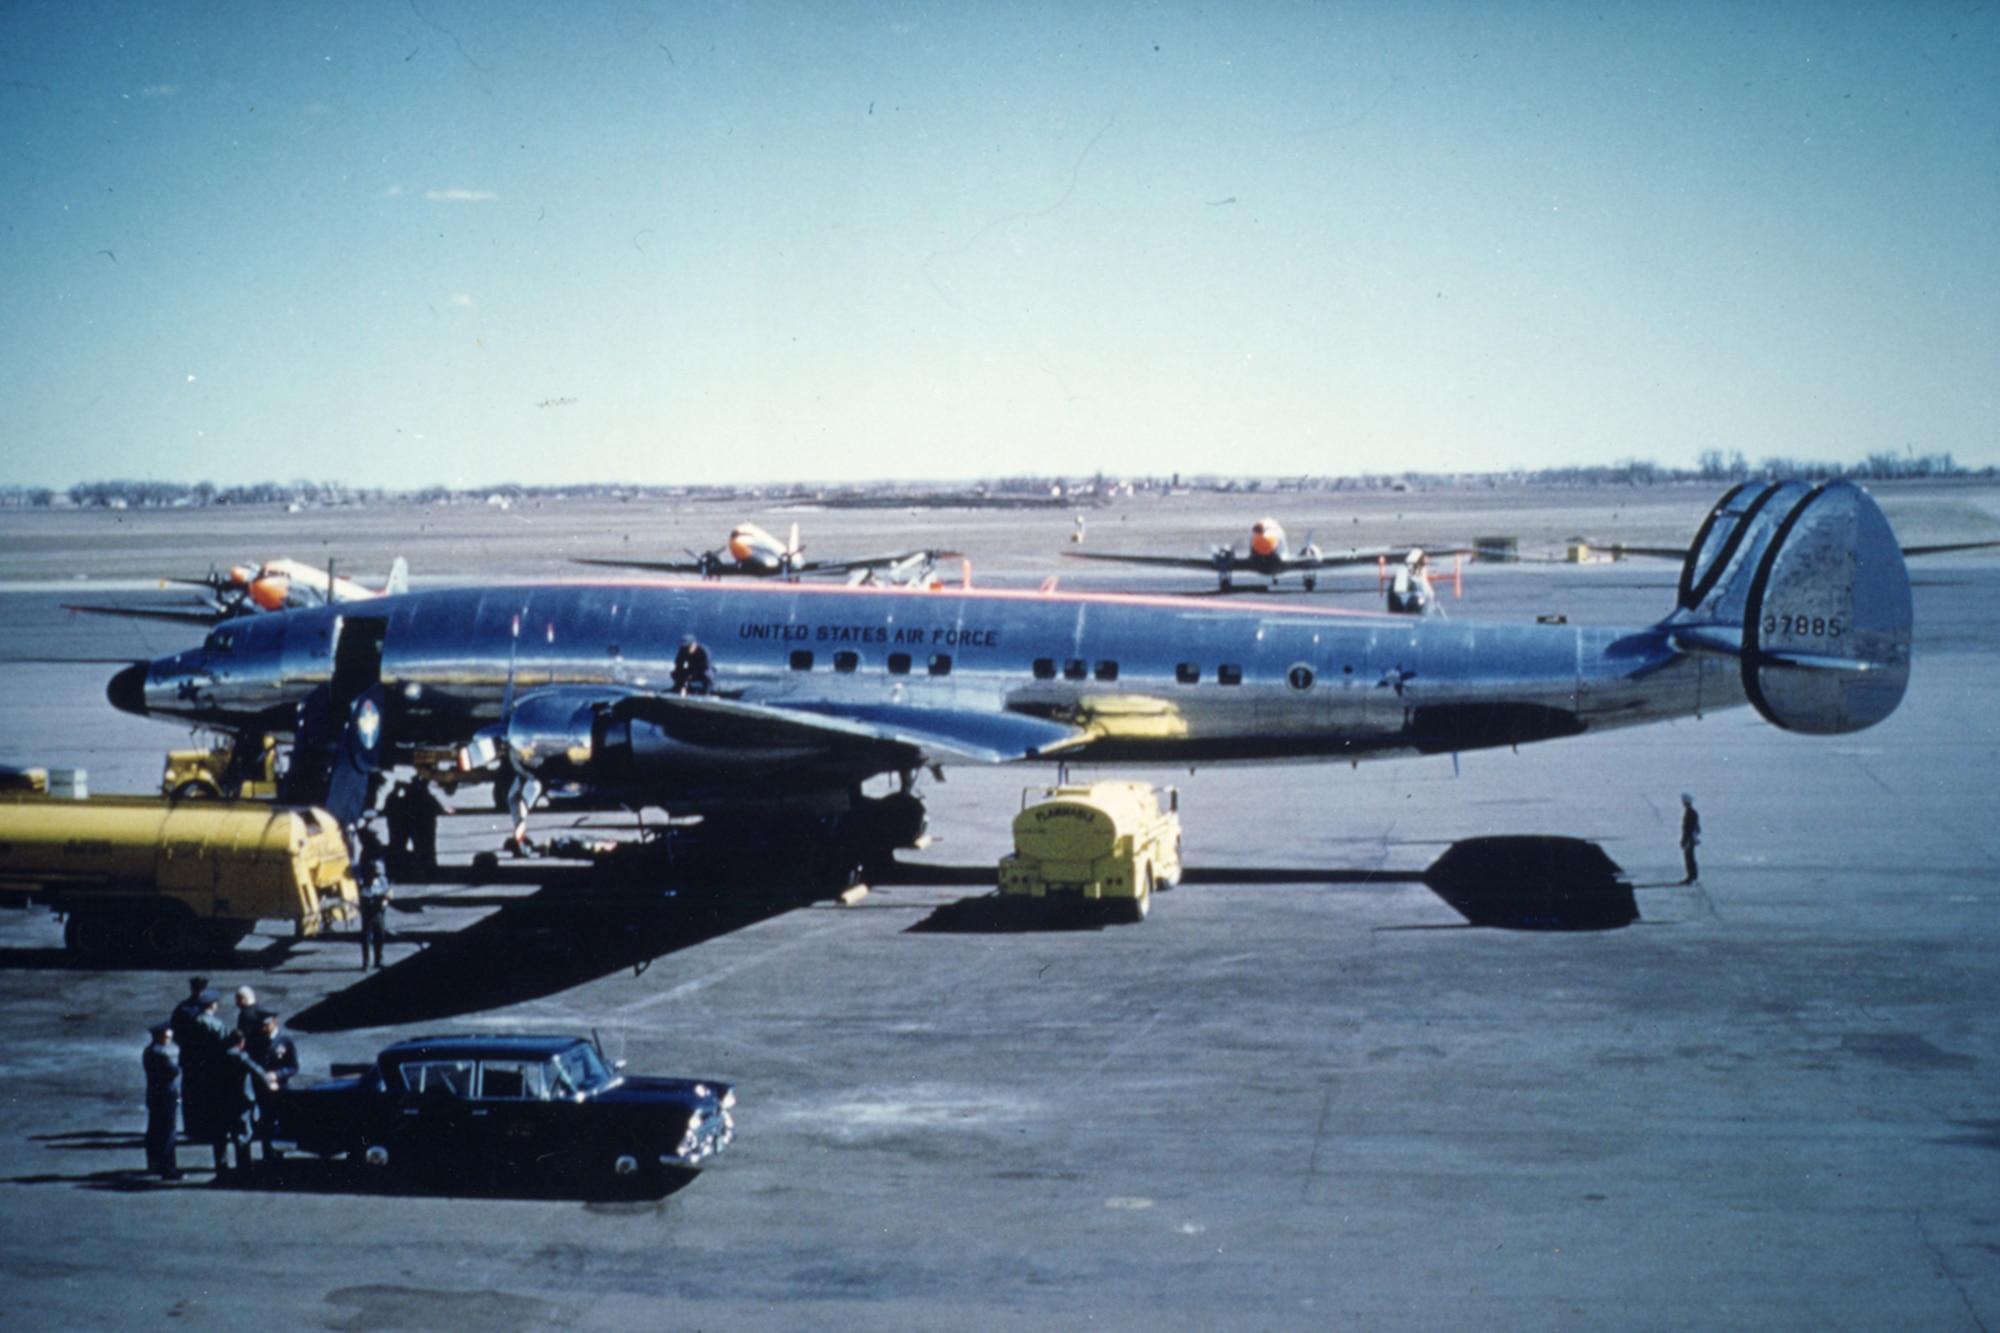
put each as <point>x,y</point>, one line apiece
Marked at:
<point>1806,585</point>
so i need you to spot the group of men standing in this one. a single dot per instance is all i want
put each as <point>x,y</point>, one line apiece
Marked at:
<point>221,1080</point>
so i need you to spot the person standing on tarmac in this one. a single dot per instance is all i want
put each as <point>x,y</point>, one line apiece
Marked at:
<point>280,1062</point>
<point>374,911</point>
<point>161,1061</point>
<point>248,1016</point>
<point>239,1084</point>
<point>1690,838</point>
<point>203,1043</point>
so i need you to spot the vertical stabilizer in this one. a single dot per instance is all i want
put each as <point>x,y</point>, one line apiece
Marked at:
<point>1807,585</point>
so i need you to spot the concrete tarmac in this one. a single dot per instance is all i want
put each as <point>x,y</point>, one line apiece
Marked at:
<point>1769,1103</point>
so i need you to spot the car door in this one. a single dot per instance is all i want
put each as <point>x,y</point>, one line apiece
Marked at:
<point>437,1135</point>
<point>513,1114</point>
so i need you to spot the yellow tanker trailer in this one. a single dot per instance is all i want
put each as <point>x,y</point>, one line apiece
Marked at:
<point>1106,844</point>
<point>137,876</point>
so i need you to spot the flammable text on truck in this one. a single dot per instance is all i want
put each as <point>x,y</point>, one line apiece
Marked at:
<point>139,876</point>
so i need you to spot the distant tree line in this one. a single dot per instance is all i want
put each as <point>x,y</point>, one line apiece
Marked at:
<point>1712,466</point>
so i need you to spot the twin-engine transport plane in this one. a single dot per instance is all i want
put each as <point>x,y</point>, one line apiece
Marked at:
<point>755,553</point>
<point>1794,600</point>
<point>249,590</point>
<point>1269,555</point>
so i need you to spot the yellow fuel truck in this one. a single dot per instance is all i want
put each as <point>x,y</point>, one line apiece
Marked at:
<point>245,769</point>
<point>141,877</point>
<point>1108,844</point>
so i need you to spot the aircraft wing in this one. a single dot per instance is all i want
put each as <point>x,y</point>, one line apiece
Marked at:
<point>906,736</point>
<point>1202,562</point>
<point>1681,552</point>
<point>663,566</point>
<point>867,562</point>
<point>181,615</point>
<point>1361,556</point>
<point>1948,546</point>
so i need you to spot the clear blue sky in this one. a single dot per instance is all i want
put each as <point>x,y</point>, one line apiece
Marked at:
<point>398,244</point>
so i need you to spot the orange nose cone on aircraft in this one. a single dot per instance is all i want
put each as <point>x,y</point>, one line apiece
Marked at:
<point>242,576</point>
<point>1266,537</point>
<point>270,591</point>
<point>740,544</point>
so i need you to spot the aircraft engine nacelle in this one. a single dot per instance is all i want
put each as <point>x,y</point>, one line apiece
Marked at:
<point>271,591</point>
<point>1813,579</point>
<point>610,741</point>
<point>554,734</point>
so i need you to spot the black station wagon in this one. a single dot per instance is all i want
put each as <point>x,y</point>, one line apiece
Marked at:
<point>510,1112</point>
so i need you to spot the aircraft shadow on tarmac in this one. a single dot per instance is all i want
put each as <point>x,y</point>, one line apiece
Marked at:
<point>1510,882</point>
<point>312,1175</point>
<point>541,944</point>
<point>564,935</point>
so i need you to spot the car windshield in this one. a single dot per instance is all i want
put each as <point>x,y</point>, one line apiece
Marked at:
<point>583,1068</point>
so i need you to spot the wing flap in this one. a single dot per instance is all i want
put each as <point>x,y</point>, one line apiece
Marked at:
<point>918,736</point>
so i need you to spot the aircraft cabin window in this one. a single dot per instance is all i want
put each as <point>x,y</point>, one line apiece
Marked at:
<point>1107,670</point>
<point>846,660</point>
<point>1188,673</point>
<point>1074,669</point>
<point>1045,668</point>
<point>1300,677</point>
<point>1229,674</point>
<point>802,659</point>
<point>940,664</point>
<point>899,664</point>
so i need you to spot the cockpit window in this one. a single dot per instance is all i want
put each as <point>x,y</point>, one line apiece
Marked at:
<point>221,641</point>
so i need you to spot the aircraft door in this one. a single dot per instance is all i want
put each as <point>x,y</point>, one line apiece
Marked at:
<point>357,658</point>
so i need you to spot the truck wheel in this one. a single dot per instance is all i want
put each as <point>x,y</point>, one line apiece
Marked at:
<point>197,789</point>
<point>101,935</point>
<point>173,937</point>
<point>1131,911</point>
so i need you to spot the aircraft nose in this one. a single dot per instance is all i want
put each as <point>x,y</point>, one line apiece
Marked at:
<point>127,690</point>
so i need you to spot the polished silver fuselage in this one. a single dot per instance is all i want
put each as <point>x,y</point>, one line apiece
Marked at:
<point>1140,678</point>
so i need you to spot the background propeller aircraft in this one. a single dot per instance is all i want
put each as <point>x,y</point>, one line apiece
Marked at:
<point>248,590</point>
<point>754,553</point>
<point>1795,600</point>
<point>1268,555</point>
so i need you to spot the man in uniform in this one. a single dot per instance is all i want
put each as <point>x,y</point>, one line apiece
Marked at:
<point>187,1011</point>
<point>204,1044</point>
<point>694,673</point>
<point>280,1061</point>
<point>1690,837</point>
<point>239,1083</point>
<point>161,1061</point>
<point>374,908</point>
